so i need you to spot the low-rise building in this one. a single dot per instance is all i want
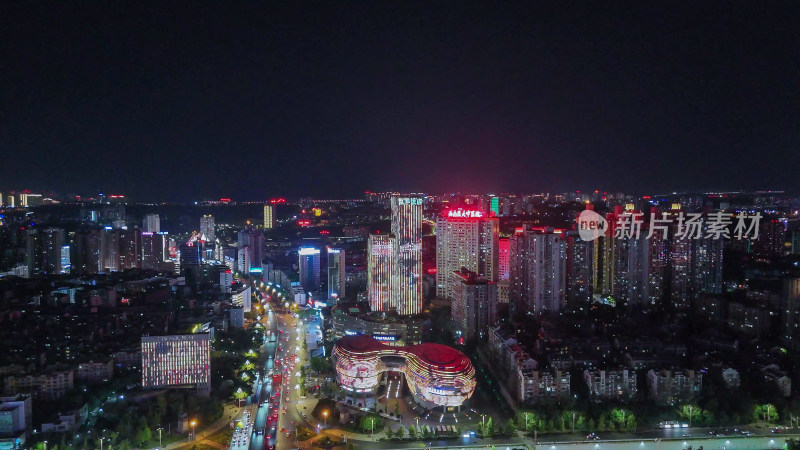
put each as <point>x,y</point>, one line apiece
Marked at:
<point>95,372</point>
<point>611,384</point>
<point>69,421</point>
<point>51,385</point>
<point>670,387</point>
<point>534,385</point>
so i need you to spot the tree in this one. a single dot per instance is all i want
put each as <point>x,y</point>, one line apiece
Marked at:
<point>488,429</point>
<point>401,432</point>
<point>412,432</point>
<point>592,425</point>
<point>240,394</point>
<point>510,428</point>
<point>690,412</point>
<point>601,423</point>
<point>793,444</point>
<point>619,418</point>
<point>389,432</point>
<point>630,424</point>
<point>143,433</point>
<point>766,412</point>
<point>370,423</point>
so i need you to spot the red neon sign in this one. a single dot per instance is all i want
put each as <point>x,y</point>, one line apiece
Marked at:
<point>224,199</point>
<point>277,200</point>
<point>465,213</point>
<point>304,223</point>
<point>432,270</point>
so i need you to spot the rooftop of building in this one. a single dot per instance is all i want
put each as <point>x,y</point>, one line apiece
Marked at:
<point>438,355</point>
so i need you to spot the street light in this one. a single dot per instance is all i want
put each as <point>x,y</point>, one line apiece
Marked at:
<point>325,413</point>
<point>159,436</point>
<point>193,423</point>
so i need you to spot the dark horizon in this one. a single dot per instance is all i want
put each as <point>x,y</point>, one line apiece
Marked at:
<point>174,103</point>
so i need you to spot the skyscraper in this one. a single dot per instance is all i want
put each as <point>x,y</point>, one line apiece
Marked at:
<point>254,239</point>
<point>336,273</point>
<point>503,260</point>
<point>207,228</point>
<point>269,219</point>
<point>309,268</point>
<point>380,259</point>
<point>538,271</point>
<point>580,268</point>
<point>465,239</point>
<point>44,248</point>
<point>151,223</point>
<point>130,247</point>
<point>474,306</point>
<point>407,275</point>
<point>152,250</point>
<point>87,251</point>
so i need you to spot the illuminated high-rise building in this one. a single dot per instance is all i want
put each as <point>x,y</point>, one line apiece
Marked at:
<point>243,262</point>
<point>254,239</point>
<point>130,247</point>
<point>494,205</point>
<point>465,239</point>
<point>28,199</point>
<point>87,252</point>
<point>66,264</point>
<point>269,217</point>
<point>11,201</point>
<point>474,306</point>
<point>207,228</point>
<point>309,268</point>
<point>380,259</point>
<point>336,273</point>
<point>152,253</point>
<point>191,253</point>
<point>151,223</point>
<point>538,271</point>
<point>503,261</point>
<point>580,268</point>
<point>407,268</point>
<point>44,247</point>
<point>176,360</point>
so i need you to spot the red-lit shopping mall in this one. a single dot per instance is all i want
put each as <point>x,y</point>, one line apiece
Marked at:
<point>437,375</point>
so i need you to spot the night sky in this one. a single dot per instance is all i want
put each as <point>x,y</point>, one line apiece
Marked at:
<point>168,101</point>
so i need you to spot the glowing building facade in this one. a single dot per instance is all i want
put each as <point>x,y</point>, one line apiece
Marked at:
<point>309,268</point>
<point>208,228</point>
<point>380,259</point>
<point>465,239</point>
<point>336,273</point>
<point>437,375</point>
<point>269,218</point>
<point>151,223</point>
<point>176,360</point>
<point>407,267</point>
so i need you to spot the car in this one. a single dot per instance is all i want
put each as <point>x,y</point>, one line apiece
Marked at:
<point>775,430</point>
<point>592,437</point>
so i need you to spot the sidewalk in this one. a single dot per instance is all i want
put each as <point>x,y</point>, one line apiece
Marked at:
<point>227,416</point>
